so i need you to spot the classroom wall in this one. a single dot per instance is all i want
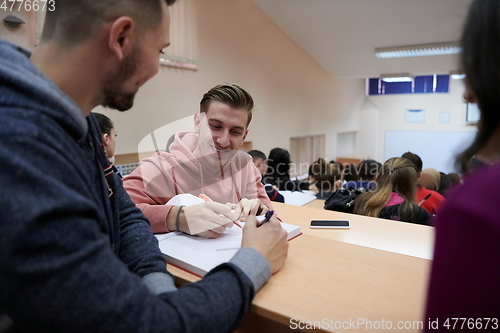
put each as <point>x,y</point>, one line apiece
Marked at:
<point>391,110</point>
<point>293,95</point>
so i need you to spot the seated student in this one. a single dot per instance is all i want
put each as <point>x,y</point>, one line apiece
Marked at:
<point>259,159</point>
<point>278,171</point>
<point>427,197</point>
<point>109,135</point>
<point>367,171</point>
<point>444,184</point>
<point>350,173</point>
<point>454,179</point>
<point>206,161</point>
<point>325,178</point>
<point>395,195</point>
<point>429,179</point>
<point>465,272</point>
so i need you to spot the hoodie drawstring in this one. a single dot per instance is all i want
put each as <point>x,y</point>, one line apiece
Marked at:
<point>175,181</point>
<point>235,188</point>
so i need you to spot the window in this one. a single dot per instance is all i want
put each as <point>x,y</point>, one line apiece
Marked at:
<point>419,85</point>
<point>473,114</point>
<point>183,49</point>
<point>304,151</point>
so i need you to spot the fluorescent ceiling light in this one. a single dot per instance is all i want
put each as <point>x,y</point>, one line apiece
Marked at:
<point>418,50</point>
<point>457,75</point>
<point>403,77</point>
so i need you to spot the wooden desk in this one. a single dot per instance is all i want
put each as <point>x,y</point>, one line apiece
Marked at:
<point>344,277</point>
<point>325,280</point>
<point>319,204</point>
<point>398,237</point>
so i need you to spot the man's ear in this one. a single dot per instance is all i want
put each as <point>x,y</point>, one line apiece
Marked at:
<point>197,122</point>
<point>122,37</point>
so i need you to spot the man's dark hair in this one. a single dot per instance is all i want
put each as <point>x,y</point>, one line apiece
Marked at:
<point>73,21</point>
<point>415,159</point>
<point>368,169</point>
<point>257,154</point>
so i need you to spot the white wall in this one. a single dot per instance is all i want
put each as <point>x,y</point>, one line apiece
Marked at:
<point>293,95</point>
<point>237,43</point>
<point>392,108</point>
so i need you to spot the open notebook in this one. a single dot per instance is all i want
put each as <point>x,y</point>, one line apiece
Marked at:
<point>199,255</point>
<point>297,198</point>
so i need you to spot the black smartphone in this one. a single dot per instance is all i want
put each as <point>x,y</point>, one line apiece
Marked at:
<point>343,224</point>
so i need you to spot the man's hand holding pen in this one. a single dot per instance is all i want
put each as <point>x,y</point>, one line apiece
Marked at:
<point>268,238</point>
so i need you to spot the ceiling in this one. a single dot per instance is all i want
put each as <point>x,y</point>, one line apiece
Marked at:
<point>341,35</point>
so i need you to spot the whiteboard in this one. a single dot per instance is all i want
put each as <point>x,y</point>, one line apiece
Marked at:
<point>436,149</point>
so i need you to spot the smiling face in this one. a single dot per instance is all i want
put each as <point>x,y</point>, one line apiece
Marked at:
<point>222,130</point>
<point>137,67</point>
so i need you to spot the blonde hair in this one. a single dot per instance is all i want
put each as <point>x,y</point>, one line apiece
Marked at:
<point>397,175</point>
<point>429,178</point>
<point>230,94</point>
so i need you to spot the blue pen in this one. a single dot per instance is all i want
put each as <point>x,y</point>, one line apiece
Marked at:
<point>267,217</point>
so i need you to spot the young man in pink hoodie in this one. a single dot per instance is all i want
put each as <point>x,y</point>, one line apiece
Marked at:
<point>207,162</point>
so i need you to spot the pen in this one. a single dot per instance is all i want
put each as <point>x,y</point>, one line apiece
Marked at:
<point>426,197</point>
<point>206,198</point>
<point>267,217</point>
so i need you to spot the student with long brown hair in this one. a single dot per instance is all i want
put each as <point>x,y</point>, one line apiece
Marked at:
<point>394,196</point>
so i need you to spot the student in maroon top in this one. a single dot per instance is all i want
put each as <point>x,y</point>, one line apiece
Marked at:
<point>465,273</point>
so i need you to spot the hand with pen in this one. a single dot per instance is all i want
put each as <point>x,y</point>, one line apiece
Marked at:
<point>208,219</point>
<point>268,238</point>
<point>248,206</point>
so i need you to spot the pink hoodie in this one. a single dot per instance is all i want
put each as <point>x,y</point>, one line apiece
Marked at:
<point>163,175</point>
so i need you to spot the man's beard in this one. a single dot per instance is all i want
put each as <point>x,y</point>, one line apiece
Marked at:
<point>114,97</point>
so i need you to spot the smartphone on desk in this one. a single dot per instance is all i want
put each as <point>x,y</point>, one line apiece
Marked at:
<point>338,224</point>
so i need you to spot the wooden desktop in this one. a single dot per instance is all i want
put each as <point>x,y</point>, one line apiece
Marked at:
<point>372,275</point>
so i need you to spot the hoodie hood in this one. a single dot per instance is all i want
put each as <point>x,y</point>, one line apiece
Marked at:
<point>183,147</point>
<point>181,155</point>
<point>22,85</point>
